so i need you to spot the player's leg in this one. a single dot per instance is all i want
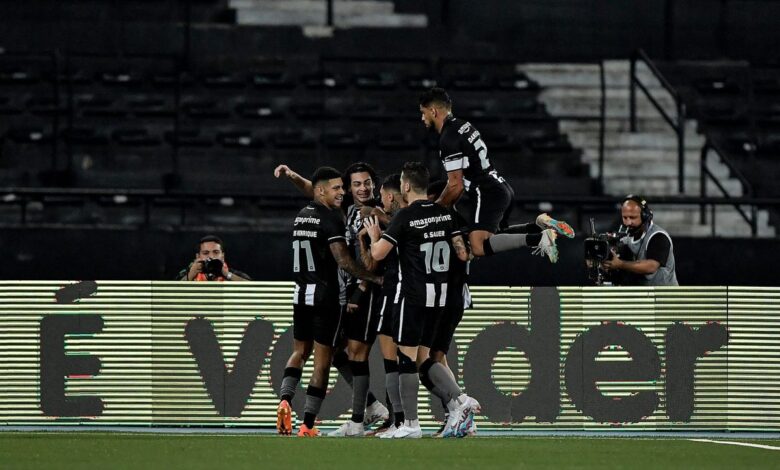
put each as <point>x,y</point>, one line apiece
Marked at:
<point>408,328</point>
<point>409,384</point>
<point>360,328</point>
<point>318,385</point>
<point>451,317</point>
<point>491,211</point>
<point>437,377</point>
<point>326,321</point>
<point>292,371</point>
<point>303,340</point>
<point>543,221</point>
<point>392,380</point>
<point>390,358</point>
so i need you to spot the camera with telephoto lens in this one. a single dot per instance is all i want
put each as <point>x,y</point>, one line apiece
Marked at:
<point>212,268</point>
<point>599,248</point>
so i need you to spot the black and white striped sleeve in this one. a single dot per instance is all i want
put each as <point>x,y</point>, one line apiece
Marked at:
<point>451,155</point>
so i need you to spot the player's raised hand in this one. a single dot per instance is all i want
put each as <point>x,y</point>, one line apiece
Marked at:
<point>372,227</point>
<point>283,170</point>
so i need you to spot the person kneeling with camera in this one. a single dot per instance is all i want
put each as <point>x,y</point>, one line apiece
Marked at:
<point>650,245</point>
<point>210,265</point>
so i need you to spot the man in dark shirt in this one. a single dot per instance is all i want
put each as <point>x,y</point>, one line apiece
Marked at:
<point>422,234</point>
<point>319,250</point>
<point>490,198</point>
<point>210,264</point>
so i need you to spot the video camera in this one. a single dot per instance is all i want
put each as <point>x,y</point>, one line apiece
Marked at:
<point>598,248</point>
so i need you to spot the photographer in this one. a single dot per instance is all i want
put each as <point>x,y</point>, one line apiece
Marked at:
<point>649,246</point>
<point>210,265</point>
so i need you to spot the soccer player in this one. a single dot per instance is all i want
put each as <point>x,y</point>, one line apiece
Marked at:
<point>458,299</point>
<point>358,324</point>
<point>423,234</point>
<point>392,202</point>
<point>319,250</point>
<point>490,198</point>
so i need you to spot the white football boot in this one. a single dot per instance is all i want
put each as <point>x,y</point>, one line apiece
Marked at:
<point>348,429</point>
<point>387,433</point>
<point>409,430</point>
<point>375,413</point>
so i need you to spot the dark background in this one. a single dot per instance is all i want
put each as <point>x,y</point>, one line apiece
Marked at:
<point>525,31</point>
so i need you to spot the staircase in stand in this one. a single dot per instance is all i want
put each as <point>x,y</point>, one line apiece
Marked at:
<point>644,162</point>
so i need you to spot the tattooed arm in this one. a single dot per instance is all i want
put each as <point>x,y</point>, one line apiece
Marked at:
<point>460,248</point>
<point>348,263</point>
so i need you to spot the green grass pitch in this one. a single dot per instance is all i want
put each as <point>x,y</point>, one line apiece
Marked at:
<point>99,450</point>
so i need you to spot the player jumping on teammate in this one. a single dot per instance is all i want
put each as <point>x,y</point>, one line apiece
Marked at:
<point>489,198</point>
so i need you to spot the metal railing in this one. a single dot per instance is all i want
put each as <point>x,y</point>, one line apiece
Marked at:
<point>677,124</point>
<point>747,188</point>
<point>576,208</point>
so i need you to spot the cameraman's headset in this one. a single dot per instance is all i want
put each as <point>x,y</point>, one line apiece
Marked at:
<point>646,215</point>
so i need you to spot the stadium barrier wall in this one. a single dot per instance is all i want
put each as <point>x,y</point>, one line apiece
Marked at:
<point>571,358</point>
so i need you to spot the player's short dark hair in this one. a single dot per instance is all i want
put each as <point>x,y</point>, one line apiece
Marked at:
<point>358,167</point>
<point>435,189</point>
<point>324,173</point>
<point>417,175</point>
<point>392,182</point>
<point>435,96</point>
<point>210,238</point>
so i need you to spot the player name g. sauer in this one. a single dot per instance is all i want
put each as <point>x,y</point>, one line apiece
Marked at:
<point>436,234</point>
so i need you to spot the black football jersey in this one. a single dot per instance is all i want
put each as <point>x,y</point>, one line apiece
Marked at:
<point>461,148</point>
<point>314,268</point>
<point>421,234</point>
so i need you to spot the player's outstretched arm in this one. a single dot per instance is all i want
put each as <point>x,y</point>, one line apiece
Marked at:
<point>303,184</point>
<point>348,263</point>
<point>453,190</point>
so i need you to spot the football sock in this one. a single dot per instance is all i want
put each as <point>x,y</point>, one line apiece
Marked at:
<point>507,241</point>
<point>387,400</point>
<point>393,389</point>
<point>426,381</point>
<point>341,363</point>
<point>292,375</point>
<point>409,384</point>
<point>441,379</point>
<point>314,398</point>
<point>360,373</point>
<point>522,228</point>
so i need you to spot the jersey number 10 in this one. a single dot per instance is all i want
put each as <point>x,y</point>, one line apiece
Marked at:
<point>437,256</point>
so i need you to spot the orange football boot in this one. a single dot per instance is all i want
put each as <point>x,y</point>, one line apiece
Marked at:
<point>284,418</point>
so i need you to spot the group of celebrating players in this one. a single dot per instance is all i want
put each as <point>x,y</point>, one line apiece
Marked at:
<point>397,269</point>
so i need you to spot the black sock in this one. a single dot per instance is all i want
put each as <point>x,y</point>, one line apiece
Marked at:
<point>399,418</point>
<point>360,384</point>
<point>314,398</point>
<point>533,239</point>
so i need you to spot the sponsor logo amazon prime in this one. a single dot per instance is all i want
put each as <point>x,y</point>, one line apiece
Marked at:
<point>306,220</point>
<point>422,223</point>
